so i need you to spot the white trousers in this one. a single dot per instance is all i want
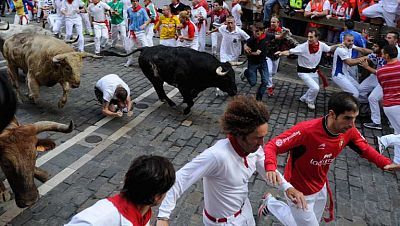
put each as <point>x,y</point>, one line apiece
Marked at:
<point>20,19</point>
<point>150,34</point>
<point>392,139</point>
<point>289,215</point>
<point>393,114</point>
<point>51,20</point>
<point>100,36</point>
<point>373,99</point>
<point>312,81</point>
<point>245,218</point>
<point>216,39</point>
<point>168,42</point>
<point>377,10</point>
<point>366,87</point>
<point>190,44</point>
<point>69,24</point>
<point>86,21</point>
<point>141,41</point>
<point>58,24</point>
<point>347,84</point>
<point>121,30</point>
<point>202,38</point>
<point>272,69</point>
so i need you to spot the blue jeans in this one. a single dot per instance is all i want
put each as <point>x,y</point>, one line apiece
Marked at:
<point>251,75</point>
<point>268,6</point>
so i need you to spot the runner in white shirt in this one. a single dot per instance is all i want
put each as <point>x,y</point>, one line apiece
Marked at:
<point>226,167</point>
<point>342,62</point>
<point>189,32</point>
<point>237,12</point>
<point>57,19</point>
<point>70,9</point>
<point>97,10</point>
<point>199,18</point>
<point>114,95</point>
<point>309,55</point>
<point>145,185</point>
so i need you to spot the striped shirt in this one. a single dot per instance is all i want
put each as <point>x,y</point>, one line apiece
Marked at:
<point>389,78</point>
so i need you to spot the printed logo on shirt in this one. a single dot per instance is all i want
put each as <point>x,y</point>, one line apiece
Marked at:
<point>280,142</point>
<point>327,160</point>
<point>322,146</point>
<point>341,143</point>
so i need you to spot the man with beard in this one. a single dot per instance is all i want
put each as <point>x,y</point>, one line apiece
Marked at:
<point>313,145</point>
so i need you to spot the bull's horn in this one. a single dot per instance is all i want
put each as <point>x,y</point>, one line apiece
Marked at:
<point>219,71</point>
<point>72,41</point>
<point>236,63</point>
<point>8,26</point>
<point>53,126</point>
<point>86,54</point>
<point>59,57</point>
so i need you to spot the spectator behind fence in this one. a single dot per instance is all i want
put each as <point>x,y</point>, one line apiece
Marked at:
<point>385,9</point>
<point>317,9</point>
<point>268,6</point>
<point>360,5</point>
<point>340,10</point>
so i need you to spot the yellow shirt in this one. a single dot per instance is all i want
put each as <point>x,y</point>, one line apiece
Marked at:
<point>168,26</point>
<point>19,6</point>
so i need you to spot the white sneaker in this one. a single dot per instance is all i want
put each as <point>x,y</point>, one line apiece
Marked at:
<point>311,106</point>
<point>381,147</point>
<point>302,100</point>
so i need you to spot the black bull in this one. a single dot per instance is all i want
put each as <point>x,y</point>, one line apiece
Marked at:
<point>187,69</point>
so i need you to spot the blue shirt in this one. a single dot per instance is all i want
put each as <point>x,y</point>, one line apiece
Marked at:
<point>359,41</point>
<point>137,19</point>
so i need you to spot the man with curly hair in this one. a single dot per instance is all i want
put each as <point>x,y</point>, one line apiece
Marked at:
<point>226,167</point>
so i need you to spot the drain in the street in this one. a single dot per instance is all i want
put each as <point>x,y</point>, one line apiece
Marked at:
<point>93,139</point>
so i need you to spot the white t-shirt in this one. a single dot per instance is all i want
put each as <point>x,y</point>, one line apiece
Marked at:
<point>108,84</point>
<point>98,11</point>
<point>236,14</point>
<point>102,213</point>
<point>325,6</point>
<point>339,66</point>
<point>71,10</point>
<point>231,45</point>
<point>306,59</point>
<point>225,179</point>
<point>201,11</point>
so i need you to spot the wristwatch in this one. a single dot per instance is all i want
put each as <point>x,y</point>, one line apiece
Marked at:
<point>163,218</point>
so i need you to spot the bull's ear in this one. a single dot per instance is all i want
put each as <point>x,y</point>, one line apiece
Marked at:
<point>58,58</point>
<point>45,145</point>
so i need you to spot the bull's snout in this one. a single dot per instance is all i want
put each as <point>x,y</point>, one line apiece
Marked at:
<point>27,199</point>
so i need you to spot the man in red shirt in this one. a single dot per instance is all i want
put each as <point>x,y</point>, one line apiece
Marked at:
<point>313,145</point>
<point>389,78</point>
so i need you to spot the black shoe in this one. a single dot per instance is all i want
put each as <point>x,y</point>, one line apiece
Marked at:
<point>371,125</point>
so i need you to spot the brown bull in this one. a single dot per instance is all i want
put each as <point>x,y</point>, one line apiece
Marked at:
<point>46,61</point>
<point>18,146</point>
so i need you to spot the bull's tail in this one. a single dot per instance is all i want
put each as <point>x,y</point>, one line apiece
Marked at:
<point>111,53</point>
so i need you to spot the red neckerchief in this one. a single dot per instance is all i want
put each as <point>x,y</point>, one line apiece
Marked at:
<point>70,1</point>
<point>313,48</point>
<point>233,4</point>
<point>261,37</point>
<point>197,6</point>
<point>129,211</point>
<point>238,149</point>
<point>137,8</point>
<point>273,30</point>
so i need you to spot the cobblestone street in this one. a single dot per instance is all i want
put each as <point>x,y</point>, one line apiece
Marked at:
<point>89,163</point>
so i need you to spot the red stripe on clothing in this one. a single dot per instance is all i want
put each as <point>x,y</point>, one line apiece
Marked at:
<point>389,78</point>
<point>191,30</point>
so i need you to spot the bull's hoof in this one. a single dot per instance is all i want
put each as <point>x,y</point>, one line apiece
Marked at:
<point>5,196</point>
<point>186,111</point>
<point>61,104</point>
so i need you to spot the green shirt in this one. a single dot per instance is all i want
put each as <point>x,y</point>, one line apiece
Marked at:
<point>118,7</point>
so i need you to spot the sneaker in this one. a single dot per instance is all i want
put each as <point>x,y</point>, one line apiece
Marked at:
<point>263,209</point>
<point>302,100</point>
<point>91,33</point>
<point>311,106</point>
<point>270,91</point>
<point>381,147</point>
<point>371,125</point>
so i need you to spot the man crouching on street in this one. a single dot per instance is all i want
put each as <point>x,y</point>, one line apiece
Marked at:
<point>114,95</point>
